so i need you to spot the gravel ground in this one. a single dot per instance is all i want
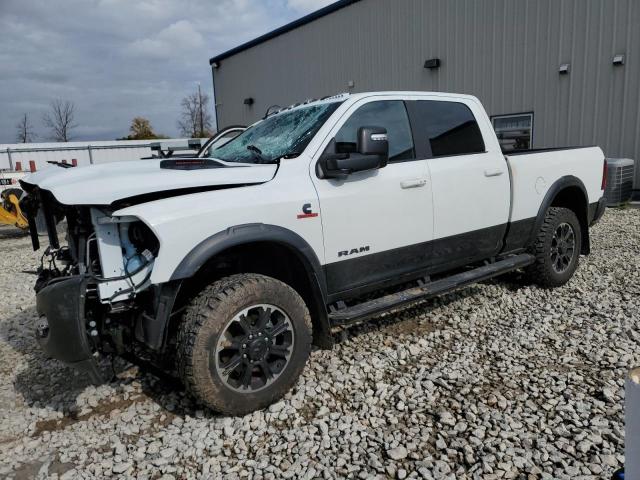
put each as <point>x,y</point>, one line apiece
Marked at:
<point>500,380</point>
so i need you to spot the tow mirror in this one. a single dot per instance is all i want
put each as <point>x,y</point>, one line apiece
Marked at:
<point>373,141</point>
<point>372,152</point>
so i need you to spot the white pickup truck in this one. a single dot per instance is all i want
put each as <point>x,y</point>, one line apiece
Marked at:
<point>225,270</point>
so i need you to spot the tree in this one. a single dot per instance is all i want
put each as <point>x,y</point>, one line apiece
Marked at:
<point>24,129</point>
<point>60,120</point>
<point>141,129</point>
<point>195,119</point>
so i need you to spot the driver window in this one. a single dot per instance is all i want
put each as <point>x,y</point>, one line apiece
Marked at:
<point>389,114</point>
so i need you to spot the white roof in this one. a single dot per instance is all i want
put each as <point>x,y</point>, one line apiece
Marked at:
<point>356,96</point>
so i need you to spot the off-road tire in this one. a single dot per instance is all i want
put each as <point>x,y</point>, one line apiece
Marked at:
<point>203,323</point>
<point>541,272</point>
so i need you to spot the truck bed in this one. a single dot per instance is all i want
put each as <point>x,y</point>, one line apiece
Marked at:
<point>533,173</point>
<point>542,150</point>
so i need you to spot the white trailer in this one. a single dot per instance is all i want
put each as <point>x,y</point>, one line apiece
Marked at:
<point>35,156</point>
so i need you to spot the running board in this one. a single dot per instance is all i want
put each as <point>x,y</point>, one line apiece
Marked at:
<point>368,309</point>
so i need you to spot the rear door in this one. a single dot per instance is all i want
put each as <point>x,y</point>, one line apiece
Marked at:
<point>469,177</point>
<point>377,225</point>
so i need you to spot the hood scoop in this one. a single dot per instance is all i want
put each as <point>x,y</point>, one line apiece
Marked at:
<point>190,164</point>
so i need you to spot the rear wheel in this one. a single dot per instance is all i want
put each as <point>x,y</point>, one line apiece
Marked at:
<point>243,343</point>
<point>556,248</point>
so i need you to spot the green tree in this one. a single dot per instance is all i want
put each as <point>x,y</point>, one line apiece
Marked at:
<point>141,129</point>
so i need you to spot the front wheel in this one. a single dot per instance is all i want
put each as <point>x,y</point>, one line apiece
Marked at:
<point>556,248</point>
<point>243,343</point>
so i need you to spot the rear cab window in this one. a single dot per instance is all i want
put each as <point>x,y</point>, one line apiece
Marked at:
<point>443,128</point>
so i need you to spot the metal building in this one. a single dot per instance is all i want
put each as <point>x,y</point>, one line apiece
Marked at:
<point>549,72</point>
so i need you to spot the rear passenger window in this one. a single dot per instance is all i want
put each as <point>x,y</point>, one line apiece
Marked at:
<point>389,114</point>
<point>445,128</point>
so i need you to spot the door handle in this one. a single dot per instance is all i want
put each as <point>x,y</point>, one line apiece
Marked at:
<point>493,173</point>
<point>413,183</point>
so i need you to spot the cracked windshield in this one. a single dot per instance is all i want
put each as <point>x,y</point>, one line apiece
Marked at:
<point>283,134</point>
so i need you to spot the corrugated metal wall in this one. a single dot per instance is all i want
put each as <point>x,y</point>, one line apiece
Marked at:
<point>506,52</point>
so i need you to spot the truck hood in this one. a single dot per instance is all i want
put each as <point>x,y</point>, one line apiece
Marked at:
<point>106,183</point>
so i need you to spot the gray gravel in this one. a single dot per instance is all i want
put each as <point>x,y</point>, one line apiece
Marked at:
<point>500,380</point>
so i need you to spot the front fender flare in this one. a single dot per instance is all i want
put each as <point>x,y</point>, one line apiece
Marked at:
<point>243,234</point>
<point>260,232</point>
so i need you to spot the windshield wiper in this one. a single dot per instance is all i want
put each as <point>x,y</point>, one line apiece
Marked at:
<point>257,153</point>
<point>292,154</point>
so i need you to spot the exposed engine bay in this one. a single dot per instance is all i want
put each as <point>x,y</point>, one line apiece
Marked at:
<point>99,275</point>
<point>94,289</point>
<point>114,253</point>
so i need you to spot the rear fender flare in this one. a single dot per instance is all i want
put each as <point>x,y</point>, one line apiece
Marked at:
<point>558,186</point>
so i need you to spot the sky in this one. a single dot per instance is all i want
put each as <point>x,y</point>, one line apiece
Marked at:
<point>117,59</point>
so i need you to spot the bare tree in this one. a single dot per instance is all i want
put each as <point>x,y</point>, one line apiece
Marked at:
<point>24,129</point>
<point>60,120</point>
<point>195,119</point>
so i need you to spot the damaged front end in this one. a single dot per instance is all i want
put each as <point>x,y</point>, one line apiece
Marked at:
<point>93,291</point>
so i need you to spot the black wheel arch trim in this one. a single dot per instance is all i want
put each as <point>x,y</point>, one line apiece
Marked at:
<point>244,234</point>
<point>261,232</point>
<point>568,181</point>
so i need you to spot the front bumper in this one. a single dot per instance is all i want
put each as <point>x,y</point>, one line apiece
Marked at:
<point>61,330</point>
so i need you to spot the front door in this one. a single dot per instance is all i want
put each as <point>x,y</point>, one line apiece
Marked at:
<point>377,224</point>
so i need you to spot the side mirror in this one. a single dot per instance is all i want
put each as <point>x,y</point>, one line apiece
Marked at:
<point>372,153</point>
<point>373,141</point>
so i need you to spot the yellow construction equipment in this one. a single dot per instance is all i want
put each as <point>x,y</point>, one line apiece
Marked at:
<point>10,213</point>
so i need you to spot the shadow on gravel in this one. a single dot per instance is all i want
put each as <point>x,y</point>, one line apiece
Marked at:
<point>170,395</point>
<point>12,232</point>
<point>17,330</point>
<point>406,321</point>
<point>44,382</point>
<point>512,281</point>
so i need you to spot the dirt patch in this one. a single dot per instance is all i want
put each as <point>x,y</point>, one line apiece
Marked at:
<point>308,411</point>
<point>412,326</point>
<point>52,425</point>
<point>103,408</point>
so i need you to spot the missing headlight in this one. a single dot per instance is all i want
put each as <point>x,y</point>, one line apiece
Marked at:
<point>143,238</point>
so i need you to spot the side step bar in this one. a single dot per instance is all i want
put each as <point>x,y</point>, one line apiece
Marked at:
<point>368,309</point>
